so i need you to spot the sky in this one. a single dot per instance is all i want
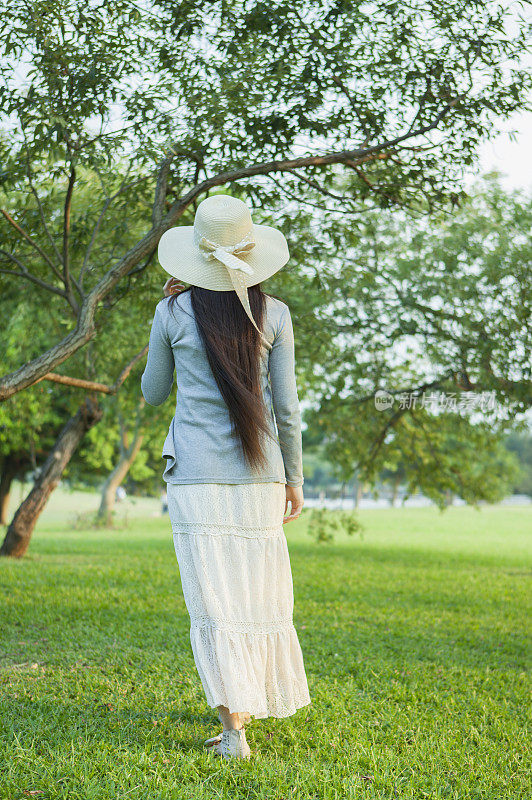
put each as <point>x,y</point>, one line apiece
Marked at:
<point>512,158</point>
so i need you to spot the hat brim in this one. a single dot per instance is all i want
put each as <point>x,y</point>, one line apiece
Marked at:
<point>180,256</point>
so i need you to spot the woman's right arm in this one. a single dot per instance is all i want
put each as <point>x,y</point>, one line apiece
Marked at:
<point>158,377</point>
<point>285,400</point>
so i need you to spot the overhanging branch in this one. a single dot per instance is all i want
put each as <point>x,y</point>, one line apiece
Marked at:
<point>95,386</point>
<point>28,374</point>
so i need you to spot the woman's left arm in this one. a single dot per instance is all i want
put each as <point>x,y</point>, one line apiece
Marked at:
<point>158,377</point>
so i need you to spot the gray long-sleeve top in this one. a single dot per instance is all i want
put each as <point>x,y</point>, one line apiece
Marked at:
<point>199,447</point>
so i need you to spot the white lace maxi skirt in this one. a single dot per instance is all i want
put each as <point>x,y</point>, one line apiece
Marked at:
<point>237,584</point>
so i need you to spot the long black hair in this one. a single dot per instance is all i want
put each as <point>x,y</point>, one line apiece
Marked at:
<point>233,348</point>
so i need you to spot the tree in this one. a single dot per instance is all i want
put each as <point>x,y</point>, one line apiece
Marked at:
<point>130,444</point>
<point>41,410</point>
<point>30,421</point>
<point>21,527</point>
<point>89,413</point>
<point>125,420</point>
<point>519,442</point>
<point>423,312</point>
<point>92,375</point>
<point>394,472</point>
<point>388,100</point>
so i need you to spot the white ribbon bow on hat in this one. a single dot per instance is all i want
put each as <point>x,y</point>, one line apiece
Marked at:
<point>228,255</point>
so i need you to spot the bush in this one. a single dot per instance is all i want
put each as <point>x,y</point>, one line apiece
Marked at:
<point>90,520</point>
<point>323,524</point>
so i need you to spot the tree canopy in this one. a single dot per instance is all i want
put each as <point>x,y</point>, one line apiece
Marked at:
<point>387,101</point>
<point>436,314</point>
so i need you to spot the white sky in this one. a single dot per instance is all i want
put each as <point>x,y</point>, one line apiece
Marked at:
<point>512,158</point>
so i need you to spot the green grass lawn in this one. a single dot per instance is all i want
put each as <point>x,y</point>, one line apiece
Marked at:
<point>414,637</point>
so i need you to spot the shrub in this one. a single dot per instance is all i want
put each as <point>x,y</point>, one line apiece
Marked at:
<point>323,524</point>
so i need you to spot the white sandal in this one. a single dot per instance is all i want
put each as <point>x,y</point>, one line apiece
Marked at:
<point>232,744</point>
<point>218,738</point>
<point>213,740</point>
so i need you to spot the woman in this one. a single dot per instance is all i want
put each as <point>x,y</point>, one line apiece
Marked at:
<point>234,460</point>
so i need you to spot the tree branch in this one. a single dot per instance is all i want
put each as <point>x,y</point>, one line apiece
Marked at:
<point>127,369</point>
<point>66,235</point>
<point>160,191</point>
<point>78,383</point>
<point>33,278</point>
<point>376,189</point>
<point>39,206</point>
<point>29,239</point>
<point>122,440</point>
<point>95,386</point>
<point>123,188</point>
<point>326,192</point>
<point>357,156</point>
<point>394,419</point>
<point>27,275</point>
<point>85,329</point>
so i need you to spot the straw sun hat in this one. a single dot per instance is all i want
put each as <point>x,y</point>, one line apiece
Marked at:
<point>224,250</point>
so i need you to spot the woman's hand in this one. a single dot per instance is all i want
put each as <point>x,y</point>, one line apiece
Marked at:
<point>172,286</point>
<point>294,495</point>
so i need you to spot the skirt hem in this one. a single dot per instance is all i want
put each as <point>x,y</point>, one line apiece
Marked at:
<point>264,714</point>
<point>261,671</point>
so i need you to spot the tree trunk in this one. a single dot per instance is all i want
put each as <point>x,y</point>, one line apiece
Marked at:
<point>358,494</point>
<point>395,491</point>
<point>23,523</point>
<point>116,477</point>
<point>9,470</point>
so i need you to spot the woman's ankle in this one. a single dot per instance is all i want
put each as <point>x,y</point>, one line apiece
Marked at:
<point>229,721</point>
